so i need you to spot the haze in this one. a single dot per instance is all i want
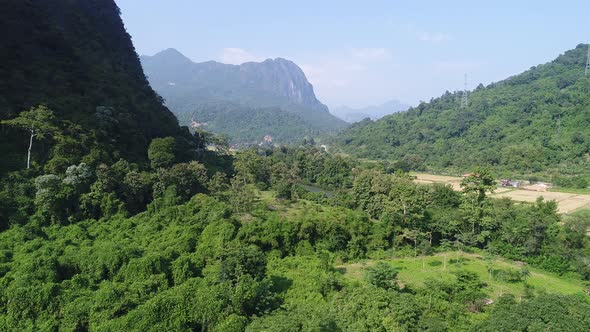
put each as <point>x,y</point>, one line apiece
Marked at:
<point>358,54</point>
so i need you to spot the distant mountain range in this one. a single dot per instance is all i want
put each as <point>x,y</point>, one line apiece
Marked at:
<point>352,115</point>
<point>209,93</point>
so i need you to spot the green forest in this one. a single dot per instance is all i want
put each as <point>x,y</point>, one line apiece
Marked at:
<point>184,246</point>
<point>246,126</point>
<point>115,218</point>
<point>534,123</point>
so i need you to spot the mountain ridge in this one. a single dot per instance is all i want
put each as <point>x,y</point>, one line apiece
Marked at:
<point>534,122</point>
<point>75,56</point>
<point>271,84</point>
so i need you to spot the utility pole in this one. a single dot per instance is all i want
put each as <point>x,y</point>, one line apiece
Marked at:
<point>465,96</point>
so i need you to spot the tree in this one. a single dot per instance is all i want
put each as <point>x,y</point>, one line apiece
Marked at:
<point>382,275</point>
<point>475,186</point>
<point>240,260</point>
<point>188,178</point>
<point>241,197</point>
<point>161,152</point>
<point>48,197</point>
<point>39,122</point>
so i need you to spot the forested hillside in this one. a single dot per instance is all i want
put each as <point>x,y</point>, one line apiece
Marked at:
<point>537,121</point>
<point>123,221</point>
<point>272,96</point>
<point>76,58</point>
<point>259,252</point>
<point>245,126</point>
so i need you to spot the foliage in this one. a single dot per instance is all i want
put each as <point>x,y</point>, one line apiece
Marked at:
<point>381,275</point>
<point>161,152</point>
<point>532,123</point>
<point>546,312</point>
<point>95,237</point>
<point>76,59</point>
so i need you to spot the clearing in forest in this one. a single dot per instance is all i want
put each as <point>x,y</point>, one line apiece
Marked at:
<point>414,271</point>
<point>566,202</point>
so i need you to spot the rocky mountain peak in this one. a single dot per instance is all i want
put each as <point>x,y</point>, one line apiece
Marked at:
<point>278,77</point>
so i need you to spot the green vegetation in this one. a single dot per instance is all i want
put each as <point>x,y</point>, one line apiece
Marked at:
<point>417,272</point>
<point>111,231</point>
<point>533,123</point>
<point>181,246</point>
<point>78,61</point>
<point>244,102</point>
<point>245,125</point>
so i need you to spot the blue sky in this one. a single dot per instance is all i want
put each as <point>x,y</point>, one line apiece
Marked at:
<point>359,53</point>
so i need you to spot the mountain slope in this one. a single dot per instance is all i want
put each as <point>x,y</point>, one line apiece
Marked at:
<point>247,126</point>
<point>278,84</point>
<point>537,121</point>
<point>375,112</point>
<point>75,56</point>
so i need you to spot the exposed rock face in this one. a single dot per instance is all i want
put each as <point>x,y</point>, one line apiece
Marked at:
<point>211,90</point>
<point>271,78</point>
<point>281,77</point>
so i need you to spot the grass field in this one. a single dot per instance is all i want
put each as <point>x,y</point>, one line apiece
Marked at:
<point>567,202</point>
<point>572,190</point>
<point>413,271</point>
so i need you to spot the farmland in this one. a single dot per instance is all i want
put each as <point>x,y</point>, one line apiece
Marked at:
<point>567,202</point>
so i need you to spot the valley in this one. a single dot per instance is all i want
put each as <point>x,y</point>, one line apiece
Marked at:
<point>162,193</point>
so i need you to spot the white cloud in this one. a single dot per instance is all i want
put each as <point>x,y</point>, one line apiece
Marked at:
<point>327,75</point>
<point>434,37</point>
<point>456,67</point>
<point>237,56</point>
<point>370,53</point>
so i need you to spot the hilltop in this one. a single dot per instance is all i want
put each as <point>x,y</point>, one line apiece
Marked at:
<point>534,122</point>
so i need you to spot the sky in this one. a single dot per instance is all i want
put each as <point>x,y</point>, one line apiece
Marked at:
<point>360,53</point>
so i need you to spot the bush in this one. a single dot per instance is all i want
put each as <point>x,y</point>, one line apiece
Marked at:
<point>382,275</point>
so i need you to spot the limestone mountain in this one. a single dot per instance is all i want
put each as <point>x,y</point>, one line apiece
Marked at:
<point>276,84</point>
<point>76,57</point>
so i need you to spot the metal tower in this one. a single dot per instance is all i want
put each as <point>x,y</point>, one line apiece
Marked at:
<point>465,95</point>
<point>588,62</point>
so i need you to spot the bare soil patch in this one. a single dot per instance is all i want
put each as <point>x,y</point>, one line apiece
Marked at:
<point>566,202</point>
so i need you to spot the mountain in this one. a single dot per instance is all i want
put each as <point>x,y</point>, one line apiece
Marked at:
<point>277,84</point>
<point>352,115</point>
<point>534,122</point>
<point>76,57</point>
